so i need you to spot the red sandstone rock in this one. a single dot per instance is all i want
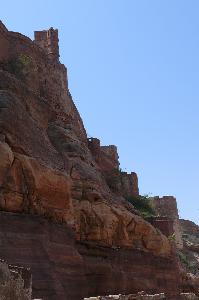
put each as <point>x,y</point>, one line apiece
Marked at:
<point>6,160</point>
<point>64,269</point>
<point>49,168</point>
<point>189,227</point>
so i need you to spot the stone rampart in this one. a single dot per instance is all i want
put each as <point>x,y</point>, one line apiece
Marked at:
<point>167,207</point>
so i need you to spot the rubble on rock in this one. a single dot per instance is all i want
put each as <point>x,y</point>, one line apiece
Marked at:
<point>143,296</point>
<point>15,282</point>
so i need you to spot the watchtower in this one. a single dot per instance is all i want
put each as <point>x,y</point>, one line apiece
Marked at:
<point>49,41</point>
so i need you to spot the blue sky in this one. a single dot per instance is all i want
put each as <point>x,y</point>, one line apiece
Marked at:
<point>133,70</point>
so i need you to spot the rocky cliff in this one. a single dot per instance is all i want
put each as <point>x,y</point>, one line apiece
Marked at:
<point>62,195</point>
<point>190,252</point>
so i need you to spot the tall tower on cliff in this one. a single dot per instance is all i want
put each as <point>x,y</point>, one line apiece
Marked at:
<point>49,41</point>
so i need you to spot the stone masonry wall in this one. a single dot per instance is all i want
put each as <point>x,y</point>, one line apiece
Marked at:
<point>129,184</point>
<point>46,76</point>
<point>167,207</point>
<point>48,40</point>
<point>107,158</point>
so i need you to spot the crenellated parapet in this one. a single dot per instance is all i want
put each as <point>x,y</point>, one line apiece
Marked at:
<point>129,184</point>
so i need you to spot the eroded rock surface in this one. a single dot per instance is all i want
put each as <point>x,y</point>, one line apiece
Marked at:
<point>50,169</point>
<point>47,165</point>
<point>63,268</point>
<point>15,283</point>
<point>190,252</point>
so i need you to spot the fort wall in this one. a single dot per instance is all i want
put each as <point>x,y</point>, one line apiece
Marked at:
<point>167,207</point>
<point>44,73</point>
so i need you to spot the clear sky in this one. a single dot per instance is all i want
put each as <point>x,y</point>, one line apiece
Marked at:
<point>133,70</point>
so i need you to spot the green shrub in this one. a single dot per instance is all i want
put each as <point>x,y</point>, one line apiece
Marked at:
<point>18,66</point>
<point>142,204</point>
<point>172,237</point>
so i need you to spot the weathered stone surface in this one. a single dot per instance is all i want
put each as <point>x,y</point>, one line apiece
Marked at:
<point>15,282</point>
<point>49,168</point>
<point>65,269</point>
<point>45,152</point>
<point>114,225</point>
<point>143,296</point>
<point>32,187</point>
<point>6,160</point>
<point>190,283</point>
<point>190,252</point>
<point>189,227</point>
<point>107,158</point>
<point>167,207</point>
<point>190,296</point>
<point>139,296</point>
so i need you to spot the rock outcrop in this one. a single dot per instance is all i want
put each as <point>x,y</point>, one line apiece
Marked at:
<point>47,166</point>
<point>62,195</point>
<point>190,253</point>
<point>63,268</point>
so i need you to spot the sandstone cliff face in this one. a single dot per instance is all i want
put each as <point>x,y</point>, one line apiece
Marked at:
<point>46,164</point>
<point>49,168</point>
<point>63,268</point>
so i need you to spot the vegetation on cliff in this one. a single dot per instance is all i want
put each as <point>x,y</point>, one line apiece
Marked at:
<point>143,206</point>
<point>18,66</point>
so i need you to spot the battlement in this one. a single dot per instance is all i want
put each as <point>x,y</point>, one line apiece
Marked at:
<point>49,41</point>
<point>129,184</point>
<point>111,153</point>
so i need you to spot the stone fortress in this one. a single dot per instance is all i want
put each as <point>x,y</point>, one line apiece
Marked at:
<point>63,203</point>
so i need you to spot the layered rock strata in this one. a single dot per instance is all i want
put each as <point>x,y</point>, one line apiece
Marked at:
<point>64,195</point>
<point>47,167</point>
<point>63,268</point>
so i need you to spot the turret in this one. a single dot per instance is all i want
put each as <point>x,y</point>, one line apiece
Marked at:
<point>49,41</point>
